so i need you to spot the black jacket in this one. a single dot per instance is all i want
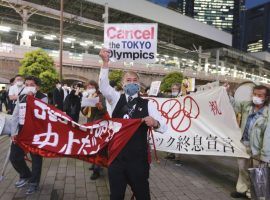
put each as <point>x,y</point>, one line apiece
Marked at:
<point>58,98</point>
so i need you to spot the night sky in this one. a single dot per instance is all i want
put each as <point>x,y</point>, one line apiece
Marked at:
<point>253,3</point>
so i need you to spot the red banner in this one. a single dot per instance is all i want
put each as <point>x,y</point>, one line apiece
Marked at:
<point>50,133</point>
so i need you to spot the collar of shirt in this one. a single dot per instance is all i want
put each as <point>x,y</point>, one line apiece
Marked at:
<point>259,112</point>
<point>133,96</point>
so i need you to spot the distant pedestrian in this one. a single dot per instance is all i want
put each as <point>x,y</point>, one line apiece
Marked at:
<point>72,103</point>
<point>58,96</point>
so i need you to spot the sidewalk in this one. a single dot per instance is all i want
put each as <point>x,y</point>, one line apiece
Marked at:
<point>70,179</point>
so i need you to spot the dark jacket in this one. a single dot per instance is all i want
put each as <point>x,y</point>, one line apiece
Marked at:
<point>72,105</point>
<point>58,98</point>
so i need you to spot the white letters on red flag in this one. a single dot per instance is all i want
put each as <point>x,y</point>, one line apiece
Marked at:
<point>203,123</point>
<point>131,42</point>
<point>50,133</point>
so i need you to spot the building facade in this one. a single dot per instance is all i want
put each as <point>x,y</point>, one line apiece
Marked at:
<point>255,29</point>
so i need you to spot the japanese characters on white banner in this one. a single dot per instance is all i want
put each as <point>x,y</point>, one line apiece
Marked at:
<point>203,124</point>
<point>131,42</point>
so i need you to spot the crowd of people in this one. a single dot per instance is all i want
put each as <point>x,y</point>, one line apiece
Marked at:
<point>131,165</point>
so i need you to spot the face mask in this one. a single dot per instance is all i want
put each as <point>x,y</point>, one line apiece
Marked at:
<point>257,100</point>
<point>175,94</point>
<point>85,94</point>
<point>131,88</point>
<point>19,83</point>
<point>27,90</point>
<point>91,91</point>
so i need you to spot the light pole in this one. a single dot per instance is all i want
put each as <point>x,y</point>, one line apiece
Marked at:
<point>61,39</point>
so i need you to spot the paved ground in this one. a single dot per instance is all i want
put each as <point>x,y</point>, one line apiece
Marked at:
<point>200,177</point>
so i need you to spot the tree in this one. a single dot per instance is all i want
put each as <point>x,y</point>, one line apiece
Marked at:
<point>38,63</point>
<point>116,76</point>
<point>169,79</point>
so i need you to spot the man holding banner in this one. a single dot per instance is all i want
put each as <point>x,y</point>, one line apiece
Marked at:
<point>17,154</point>
<point>131,166</point>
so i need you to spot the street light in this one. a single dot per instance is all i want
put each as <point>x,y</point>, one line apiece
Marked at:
<point>61,38</point>
<point>5,28</point>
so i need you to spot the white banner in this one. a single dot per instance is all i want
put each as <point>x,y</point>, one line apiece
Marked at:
<point>131,42</point>
<point>202,124</point>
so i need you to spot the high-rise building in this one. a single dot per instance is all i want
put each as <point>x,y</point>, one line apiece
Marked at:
<point>222,14</point>
<point>255,29</point>
<point>218,13</point>
<point>185,7</point>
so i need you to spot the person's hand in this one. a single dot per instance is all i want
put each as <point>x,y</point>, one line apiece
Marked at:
<point>13,138</point>
<point>150,121</point>
<point>104,54</point>
<point>227,86</point>
<point>99,106</point>
<point>77,91</point>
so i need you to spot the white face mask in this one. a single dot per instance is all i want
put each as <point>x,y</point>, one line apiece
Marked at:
<point>91,91</point>
<point>19,83</point>
<point>257,100</point>
<point>85,94</point>
<point>58,86</point>
<point>29,89</point>
<point>174,94</point>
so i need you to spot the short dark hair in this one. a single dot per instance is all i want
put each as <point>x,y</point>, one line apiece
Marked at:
<point>33,78</point>
<point>267,92</point>
<point>57,81</point>
<point>18,75</point>
<point>78,84</point>
<point>11,80</point>
<point>94,83</point>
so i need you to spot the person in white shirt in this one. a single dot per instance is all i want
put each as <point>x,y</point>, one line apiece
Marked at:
<point>131,166</point>
<point>14,91</point>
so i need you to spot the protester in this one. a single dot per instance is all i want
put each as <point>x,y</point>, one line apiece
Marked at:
<point>17,154</point>
<point>131,165</point>
<point>11,83</point>
<point>58,96</point>
<point>66,90</point>
<point>93,114</point>
<point>253,121</point>
<point>3,99</point>
<point>72,103</point>
<point>175,92</point>
<point>14,91</point>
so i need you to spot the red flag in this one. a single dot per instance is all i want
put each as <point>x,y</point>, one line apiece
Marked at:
<point>50,133</point>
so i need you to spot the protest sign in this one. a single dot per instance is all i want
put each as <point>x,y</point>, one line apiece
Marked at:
<point>51,133</point>
<point>131,42</point>
<point>203,124</point>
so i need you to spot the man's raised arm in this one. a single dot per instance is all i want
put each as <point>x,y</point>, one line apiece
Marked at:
<point>108,92</point>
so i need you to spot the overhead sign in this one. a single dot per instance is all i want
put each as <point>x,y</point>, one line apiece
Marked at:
<point>131,42</point>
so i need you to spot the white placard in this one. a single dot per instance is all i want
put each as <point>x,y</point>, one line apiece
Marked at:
<point>131,42</point>
<point>89,101</point>
<point>154,88</point>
